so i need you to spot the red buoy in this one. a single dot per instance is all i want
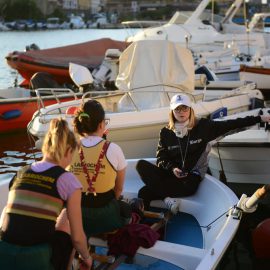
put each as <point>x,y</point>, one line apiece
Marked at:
<point>261,240</point>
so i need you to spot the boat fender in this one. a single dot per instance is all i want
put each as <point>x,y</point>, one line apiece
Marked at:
<point>11,114</point>
<point>261,240</point>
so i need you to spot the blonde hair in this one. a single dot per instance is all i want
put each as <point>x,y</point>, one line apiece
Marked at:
<point>192,119</point>
<point>58,140</point>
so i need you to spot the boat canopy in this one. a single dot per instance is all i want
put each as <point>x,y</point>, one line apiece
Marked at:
<point>156,63</point>
<point>154,66</point>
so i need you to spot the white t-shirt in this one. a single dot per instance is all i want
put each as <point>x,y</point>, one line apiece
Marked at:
<point>114,153</point>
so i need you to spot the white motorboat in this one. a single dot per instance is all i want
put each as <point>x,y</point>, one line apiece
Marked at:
<point>203,33</point>
<point>259,74</point>
<point>244,157</point>
<point>139,110</point>
<point>212,223</point>
<point>215,40</point>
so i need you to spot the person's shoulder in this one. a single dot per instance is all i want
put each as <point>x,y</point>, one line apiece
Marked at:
<point>202,121</point>
<point>114,146</point>
<point>165,129</point>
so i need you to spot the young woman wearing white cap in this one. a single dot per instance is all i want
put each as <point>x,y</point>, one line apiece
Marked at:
<point>182,152</point>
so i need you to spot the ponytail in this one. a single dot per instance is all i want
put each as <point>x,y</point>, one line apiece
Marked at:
<point>58,140</point>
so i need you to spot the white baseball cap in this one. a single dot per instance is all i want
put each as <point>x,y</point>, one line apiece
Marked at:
<point>180,99</point>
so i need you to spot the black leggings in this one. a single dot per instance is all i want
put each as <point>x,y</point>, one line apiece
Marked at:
<point>161,183</point>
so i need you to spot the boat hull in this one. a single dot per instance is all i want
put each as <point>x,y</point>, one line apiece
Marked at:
<point>212,196</point>
<point>19,111</point>
<point>56,61</point>
<point>206,207</point>
<point>136,131</point>
<point>259,75</point>
<point>245,158</point>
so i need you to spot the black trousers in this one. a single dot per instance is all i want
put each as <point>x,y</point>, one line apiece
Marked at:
<point>161,183</point>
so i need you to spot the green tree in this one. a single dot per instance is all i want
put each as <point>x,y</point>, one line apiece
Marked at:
<point>58,13</point>
<point>20,9</point>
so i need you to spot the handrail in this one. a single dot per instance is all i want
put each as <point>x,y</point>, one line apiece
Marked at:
<point>62,92</point>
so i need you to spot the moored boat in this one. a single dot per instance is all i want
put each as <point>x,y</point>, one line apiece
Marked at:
<point>55,61</point>
<point>196,237</point>
<point>17,105</point>
<point>150,73</point>
<point>243,157</point>
<point>259,75</point>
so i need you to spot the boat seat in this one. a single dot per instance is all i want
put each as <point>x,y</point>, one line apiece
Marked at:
<point>170,252</point>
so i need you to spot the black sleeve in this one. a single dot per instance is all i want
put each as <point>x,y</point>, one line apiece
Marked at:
<point>163,158</point>
<point>219,128</point>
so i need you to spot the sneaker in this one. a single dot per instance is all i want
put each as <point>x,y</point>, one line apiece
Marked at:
<point>172,204</point>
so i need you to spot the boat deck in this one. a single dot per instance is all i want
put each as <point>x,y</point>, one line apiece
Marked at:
<point>188,230</point>
<point>181,229</point>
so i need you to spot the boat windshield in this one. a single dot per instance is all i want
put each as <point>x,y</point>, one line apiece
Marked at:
<point>208,16</point>
<point>180,17</point>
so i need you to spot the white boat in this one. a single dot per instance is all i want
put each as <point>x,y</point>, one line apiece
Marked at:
<point>228,64</point>
<point>259,75</point>
<point>3,27</point>
<point>75,22</point>
<point>53,23</point>
<point>212,224</point>
<point>140,109</point>
<point>244,157</point>
<point>203,33</point>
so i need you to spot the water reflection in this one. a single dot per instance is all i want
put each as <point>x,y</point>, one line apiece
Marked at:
<point>16,150</point>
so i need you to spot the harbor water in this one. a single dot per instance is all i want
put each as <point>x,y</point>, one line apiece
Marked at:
<point>18,40</point>
<point>16,149</point>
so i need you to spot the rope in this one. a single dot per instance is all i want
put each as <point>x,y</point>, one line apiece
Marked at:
<point>222,176</point>
<point>216,219</point>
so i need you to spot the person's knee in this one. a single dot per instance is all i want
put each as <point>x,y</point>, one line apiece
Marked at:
<point>144,194</point>
<point>140,166</point>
